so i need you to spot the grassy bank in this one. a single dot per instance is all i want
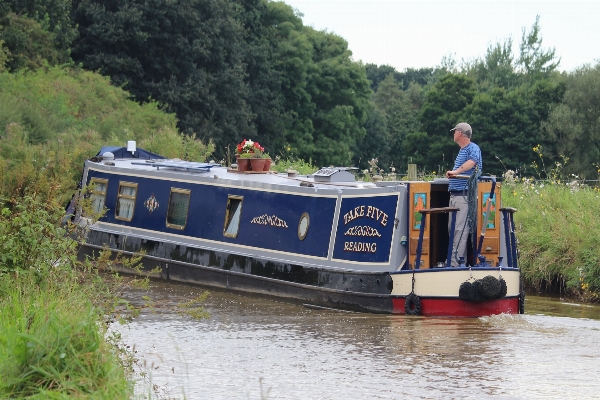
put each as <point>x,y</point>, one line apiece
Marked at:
<point>52,334</point>
<point>53,310</point>
<point>53,119</point>
<point>558,230</point>
<point>53,343</point>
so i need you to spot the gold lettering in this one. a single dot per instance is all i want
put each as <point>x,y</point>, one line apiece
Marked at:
<point>371,212</point>
<point>384,220</point>
<point>347,217</point>
<point>360,247</point>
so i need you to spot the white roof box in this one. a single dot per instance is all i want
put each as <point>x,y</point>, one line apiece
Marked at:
<point>334,174</point>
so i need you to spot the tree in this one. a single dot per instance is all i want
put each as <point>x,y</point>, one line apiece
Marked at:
<point>506,124</point>
<point>264,98</point>
<point>291,62</point>
<point>324,94</point>
<point>421,76</point>
<point>536,62</point>
<point>28,44</point>
<point>4,56</point>
<point>186,55</point>
<point>375,142</point>
<point>573,126</point>
<point>444,107</point>
<point>401,120</point>
<point>377,73</point>
<point>53,16</point>
<point>497,68</point>
<point>341,93</point>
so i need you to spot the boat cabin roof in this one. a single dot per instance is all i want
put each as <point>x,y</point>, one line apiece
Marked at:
<point>175,168</point>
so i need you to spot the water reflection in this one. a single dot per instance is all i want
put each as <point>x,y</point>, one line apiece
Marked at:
<point>256,348</point>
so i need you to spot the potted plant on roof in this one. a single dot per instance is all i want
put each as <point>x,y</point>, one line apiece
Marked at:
<point>251,155</point>
<point>243,153</point>
<point>257,160</point>
<point>267,162</point>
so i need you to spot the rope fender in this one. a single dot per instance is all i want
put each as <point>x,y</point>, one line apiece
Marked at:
<point>412,304</point>
<point>487,288</point>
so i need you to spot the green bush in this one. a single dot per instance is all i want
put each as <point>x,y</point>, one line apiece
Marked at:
<point>296,164</point>
<point>31,239</point>
<point>52,119</point>
<point>47,102</point>
<point>172,144</point>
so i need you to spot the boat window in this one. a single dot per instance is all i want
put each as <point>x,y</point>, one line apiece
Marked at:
<point>98,194</point>
<point>303,225</point>
<point>179,203</point>
<point>126,201</point>
<point>232,216</point>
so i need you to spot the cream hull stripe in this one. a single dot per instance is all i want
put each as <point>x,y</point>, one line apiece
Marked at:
<point>447,283</point>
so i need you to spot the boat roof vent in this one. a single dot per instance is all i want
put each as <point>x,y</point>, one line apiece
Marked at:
<point>108,158</point>
<point>334,174</point>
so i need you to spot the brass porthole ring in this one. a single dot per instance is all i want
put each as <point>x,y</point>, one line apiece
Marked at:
<point>303,225</point>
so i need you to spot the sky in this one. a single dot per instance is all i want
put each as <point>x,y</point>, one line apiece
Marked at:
<point>416,34</point>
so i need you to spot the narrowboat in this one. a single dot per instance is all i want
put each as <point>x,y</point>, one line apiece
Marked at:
<point>325,239</point>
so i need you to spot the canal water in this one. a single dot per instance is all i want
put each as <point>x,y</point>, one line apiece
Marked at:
<point>260,348</point>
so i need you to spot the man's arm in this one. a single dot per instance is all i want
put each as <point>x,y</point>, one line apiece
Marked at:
<point>463,168</point>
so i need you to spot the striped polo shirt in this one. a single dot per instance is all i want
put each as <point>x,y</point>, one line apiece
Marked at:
<point>469,152</point>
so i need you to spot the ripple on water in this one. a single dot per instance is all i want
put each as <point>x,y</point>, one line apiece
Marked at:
<point>253,347</point>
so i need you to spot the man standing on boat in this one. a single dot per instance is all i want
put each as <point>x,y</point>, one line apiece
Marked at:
<point>468,157</point>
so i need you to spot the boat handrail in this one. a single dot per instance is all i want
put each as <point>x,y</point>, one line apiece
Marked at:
<point>424,212</point>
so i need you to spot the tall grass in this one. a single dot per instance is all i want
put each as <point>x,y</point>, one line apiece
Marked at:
<point>558,230</point>
<point>52,341</point>
<point>52,344</point>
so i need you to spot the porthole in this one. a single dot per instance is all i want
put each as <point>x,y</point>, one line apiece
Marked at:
<point>303,225</point>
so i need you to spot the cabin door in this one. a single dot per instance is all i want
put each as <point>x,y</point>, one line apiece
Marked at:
<point>420,198</point>
<point>491,242</point>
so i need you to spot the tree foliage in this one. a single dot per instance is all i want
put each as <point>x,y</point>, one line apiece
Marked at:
<point>37,31</point>
<point>572,128</point>
<point>185,55</point>
<point>534,60</point>
<point>443,109</point>
<point>239,69</point>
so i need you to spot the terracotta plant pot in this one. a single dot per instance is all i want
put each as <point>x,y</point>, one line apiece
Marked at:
<point>258,164</point>
<point>267,164</point>
<point>243,164</point>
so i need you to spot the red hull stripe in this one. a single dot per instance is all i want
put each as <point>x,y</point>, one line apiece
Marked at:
<point>444,307</point>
